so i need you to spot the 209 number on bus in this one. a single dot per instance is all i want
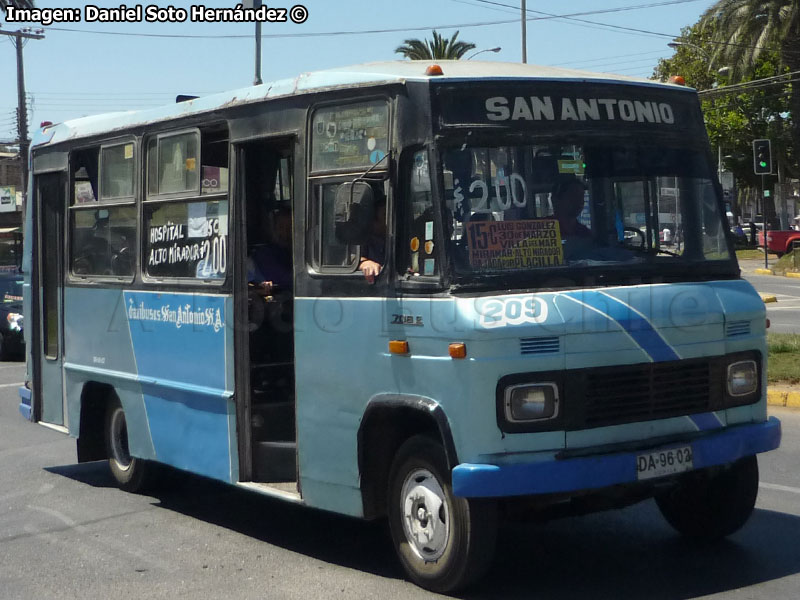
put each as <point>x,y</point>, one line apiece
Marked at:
<point>497,312</point>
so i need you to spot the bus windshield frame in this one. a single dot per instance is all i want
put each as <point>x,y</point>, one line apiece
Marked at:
<point>652,208</point>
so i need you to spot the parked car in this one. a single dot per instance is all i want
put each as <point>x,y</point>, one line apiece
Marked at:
<point>12,342</point>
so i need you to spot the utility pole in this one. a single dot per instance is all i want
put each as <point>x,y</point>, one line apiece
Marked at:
<point>524,33</point>
<point>22,110</point>
<point>256,4</point>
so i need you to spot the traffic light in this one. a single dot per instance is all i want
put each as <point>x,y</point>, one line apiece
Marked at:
<point>762,157</point>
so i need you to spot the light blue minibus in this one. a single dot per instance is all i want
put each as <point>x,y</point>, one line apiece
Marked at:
<point>435,293</point>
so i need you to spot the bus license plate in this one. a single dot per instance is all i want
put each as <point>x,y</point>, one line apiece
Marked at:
<point>664,462</point>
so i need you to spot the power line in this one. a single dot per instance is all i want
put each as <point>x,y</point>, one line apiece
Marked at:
<point>625,62</point>
<point>582,61</point>
<point>571,20</point>
<point>547,16</point>
<point>103,94</point>
<point>754,84</point>
<point>572,17</point>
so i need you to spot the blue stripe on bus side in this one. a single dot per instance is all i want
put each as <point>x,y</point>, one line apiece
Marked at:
<point>634,324</point>
<point>706,421</point>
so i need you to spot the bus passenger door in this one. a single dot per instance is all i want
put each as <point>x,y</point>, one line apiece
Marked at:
<point>48,348</point>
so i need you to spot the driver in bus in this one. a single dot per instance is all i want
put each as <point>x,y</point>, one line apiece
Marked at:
<point>567,198</point>
<point>373,251</point>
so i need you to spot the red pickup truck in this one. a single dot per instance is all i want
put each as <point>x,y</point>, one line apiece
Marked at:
<point>779,242</point>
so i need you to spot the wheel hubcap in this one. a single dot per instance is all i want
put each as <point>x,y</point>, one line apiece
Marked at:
<point>119,440</point>
<point>426,519</point>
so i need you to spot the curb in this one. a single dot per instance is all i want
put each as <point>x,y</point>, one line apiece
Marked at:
<point>767,298</point>
<point>788,399</point>
<point>792,274</point>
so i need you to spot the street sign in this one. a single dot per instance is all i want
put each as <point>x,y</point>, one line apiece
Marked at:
<point>8,198</point>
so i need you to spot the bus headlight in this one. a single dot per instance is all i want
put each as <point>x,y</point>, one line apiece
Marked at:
<point>742,378</point>
<point>531,402</point>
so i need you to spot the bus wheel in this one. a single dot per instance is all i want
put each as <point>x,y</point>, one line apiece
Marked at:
<point>711,505</point>
<point>132,474</point>
<point>444,542</point>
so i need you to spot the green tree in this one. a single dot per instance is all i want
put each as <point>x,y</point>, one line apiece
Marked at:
<point>439,48</point>
<point>733,120</point>
<point>744,31</point>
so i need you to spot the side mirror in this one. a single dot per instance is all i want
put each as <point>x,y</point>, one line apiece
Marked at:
<point>354,211</point>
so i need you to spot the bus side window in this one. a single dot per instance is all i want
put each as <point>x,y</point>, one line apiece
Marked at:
<point>185,215</point>
<point>102,237</point>
<point>351,137</point>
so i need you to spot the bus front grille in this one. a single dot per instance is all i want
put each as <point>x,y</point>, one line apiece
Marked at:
<point>649,391</point>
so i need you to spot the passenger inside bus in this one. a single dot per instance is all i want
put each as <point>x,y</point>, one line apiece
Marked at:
<point>269,265</point>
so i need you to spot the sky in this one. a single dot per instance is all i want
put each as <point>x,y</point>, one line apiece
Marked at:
<point>84,68</point>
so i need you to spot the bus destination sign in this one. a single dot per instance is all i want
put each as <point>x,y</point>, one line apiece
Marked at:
<point>547,107</point>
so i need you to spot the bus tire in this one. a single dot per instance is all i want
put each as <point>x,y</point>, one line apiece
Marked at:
<point>131,474</point>
<point>444,542</point>
<point>710,505</point>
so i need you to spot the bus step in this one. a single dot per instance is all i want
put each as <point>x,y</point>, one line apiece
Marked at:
<point>273,422</point>
<point>274,461</point>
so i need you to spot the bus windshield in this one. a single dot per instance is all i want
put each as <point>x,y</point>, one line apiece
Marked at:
<point>587,203</point>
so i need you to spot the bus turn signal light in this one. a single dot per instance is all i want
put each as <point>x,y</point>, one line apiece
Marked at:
<point>398,347</point>
<point>458,350</point>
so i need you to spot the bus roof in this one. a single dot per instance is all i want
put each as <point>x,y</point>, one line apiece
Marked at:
<point>363,75</point>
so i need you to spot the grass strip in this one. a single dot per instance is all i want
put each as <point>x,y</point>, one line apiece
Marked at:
<point>784,358</point>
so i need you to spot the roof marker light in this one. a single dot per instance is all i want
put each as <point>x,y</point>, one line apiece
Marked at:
<point>677,80</point>
<point>434,71</point>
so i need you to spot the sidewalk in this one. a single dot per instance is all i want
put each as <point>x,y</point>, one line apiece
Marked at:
<point>755,266</point>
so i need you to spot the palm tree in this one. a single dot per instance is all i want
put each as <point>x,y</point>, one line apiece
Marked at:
<point>743,29</point>
<point>437,49</point>
<point>16,4</point>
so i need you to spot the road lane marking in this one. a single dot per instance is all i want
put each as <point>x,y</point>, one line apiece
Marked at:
<point>780,488</point>
<point>5,385</point>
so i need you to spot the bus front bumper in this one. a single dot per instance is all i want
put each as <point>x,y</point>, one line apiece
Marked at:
<point>603,470</point>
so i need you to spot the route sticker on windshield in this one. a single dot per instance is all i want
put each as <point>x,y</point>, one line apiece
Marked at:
<point>521,244</point>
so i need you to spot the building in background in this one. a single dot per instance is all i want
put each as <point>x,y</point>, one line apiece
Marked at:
<point>10,207</point>
<point>10,187</point>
